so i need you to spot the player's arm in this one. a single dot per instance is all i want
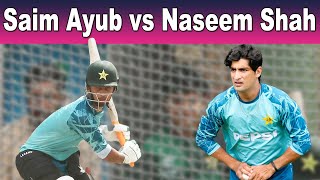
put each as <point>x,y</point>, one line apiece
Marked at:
<point>237,166</point>
<point>288,157</point>
<point>295,124</point>
<point>267,170</point>
<point>207,131</point>
<point>130,152</point>
<point>115,156</point>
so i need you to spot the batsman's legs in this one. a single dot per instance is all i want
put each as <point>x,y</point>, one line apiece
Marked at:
<point>74,169</point>
<point>37,166</point>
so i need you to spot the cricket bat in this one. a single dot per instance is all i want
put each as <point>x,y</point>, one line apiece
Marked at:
<point>94,56</point>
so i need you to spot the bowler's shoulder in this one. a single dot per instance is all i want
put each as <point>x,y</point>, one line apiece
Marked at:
<point>223,97</point>
<point>273,92</point>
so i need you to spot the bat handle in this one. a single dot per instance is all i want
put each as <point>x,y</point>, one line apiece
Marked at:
<point>122,140</point>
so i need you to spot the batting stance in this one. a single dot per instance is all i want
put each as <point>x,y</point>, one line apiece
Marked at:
<point>51,152</point>
<point>263,127</point>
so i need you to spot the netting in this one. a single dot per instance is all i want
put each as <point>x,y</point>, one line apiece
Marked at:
<point>163,91</point>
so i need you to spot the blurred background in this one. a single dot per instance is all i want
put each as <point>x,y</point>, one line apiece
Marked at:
<point>163,92</point>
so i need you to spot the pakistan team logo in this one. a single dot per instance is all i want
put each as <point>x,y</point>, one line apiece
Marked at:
<point>103,75</point>
<point>268,119</point>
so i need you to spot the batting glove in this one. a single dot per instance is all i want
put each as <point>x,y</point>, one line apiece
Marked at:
<point>111,135</point>
<point>131,151</point>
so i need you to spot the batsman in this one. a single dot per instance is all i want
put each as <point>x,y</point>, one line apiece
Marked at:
<point>52,152</point>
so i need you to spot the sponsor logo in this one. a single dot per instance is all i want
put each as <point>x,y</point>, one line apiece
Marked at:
<point>255,135</point>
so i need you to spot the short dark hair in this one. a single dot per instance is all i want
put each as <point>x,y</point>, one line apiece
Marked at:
<point>46,72</point>
<point>245,51</point>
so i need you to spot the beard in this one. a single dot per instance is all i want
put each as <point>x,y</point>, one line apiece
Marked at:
<point>100,104</point>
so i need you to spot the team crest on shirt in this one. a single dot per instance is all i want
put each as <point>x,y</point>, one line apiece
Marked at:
<point>268,119</point>
<point>103,75</point>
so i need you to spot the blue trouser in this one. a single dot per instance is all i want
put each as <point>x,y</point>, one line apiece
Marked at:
<point>285,173</point>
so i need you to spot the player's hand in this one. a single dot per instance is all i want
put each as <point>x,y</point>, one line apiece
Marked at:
<point>262,172</point>
<point>131,151</point>
<point>244,168</point>
<point>111,135</point>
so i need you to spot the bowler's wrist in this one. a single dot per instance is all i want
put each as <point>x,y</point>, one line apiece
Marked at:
<point>273,166</point>
<point>235,166</point>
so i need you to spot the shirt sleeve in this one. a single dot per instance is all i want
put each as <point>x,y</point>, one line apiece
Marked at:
<point>87,127</point>
<point>296,126</point>
<point>208,130</point>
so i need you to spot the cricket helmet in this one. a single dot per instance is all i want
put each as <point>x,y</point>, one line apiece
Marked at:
<point>102,73</point>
